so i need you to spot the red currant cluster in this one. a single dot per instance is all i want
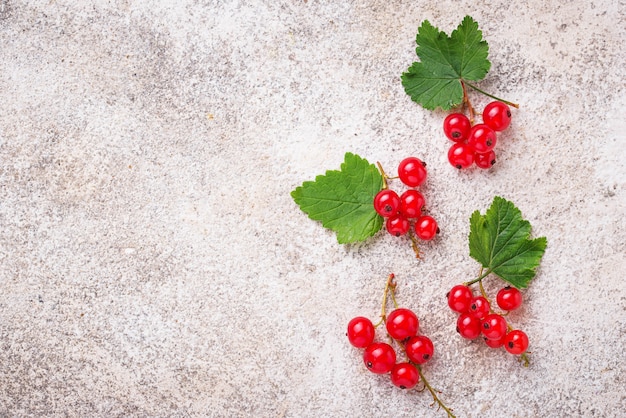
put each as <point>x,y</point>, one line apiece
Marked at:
<point>475,144</point>
<point>402,326</point>
<point>476,317</point>
<point>400,211</point>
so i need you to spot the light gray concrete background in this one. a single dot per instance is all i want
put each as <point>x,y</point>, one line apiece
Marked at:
<point>153,263</point>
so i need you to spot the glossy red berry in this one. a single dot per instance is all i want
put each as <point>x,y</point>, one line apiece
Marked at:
<point>494,327</point>
<point>486,160</point>
<point>461,155</point>
<point>360,332</point>
<point>509,298</point>
<point>386,203</point>
<point>457,127</point>
<point>468,326</point>
<point>379,358</point>
<point>405,375</point>
<point>479,307</point>
<point>402,323</point>
<point>460,298</point>
<point>397,225</point>
<point>482,138</point>
<point>426,227</point>
<point>411,203</point>
<point>516,342</point>
<point>494,343</point>
<point>419,349</point>
<point>497,116</point>
<point>412,171</point>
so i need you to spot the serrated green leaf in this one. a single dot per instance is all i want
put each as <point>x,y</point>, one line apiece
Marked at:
<point>343,199</point>
<point>446,61</point>
<point>500,241</point>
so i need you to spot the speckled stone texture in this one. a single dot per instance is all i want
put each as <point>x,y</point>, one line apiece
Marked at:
<point>153,263</point>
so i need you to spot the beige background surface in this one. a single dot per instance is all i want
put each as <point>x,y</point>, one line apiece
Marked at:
<point>152,262</point>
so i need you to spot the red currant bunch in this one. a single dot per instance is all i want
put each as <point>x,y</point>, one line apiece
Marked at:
<point>404,213</point>
<point>475,143</point>
<point>476,318</point>
<point>402,330</point>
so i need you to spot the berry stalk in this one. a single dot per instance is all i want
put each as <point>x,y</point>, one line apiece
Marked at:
<point>433,392</point>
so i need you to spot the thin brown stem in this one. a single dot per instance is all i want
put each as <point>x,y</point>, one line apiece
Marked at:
<point>466,102</point>
<point>433,392</point>
<point>382,173</point>
<point>389,287</point>
<point>414,245</point>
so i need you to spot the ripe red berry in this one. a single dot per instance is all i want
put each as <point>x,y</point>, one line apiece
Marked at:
<point>509,298</point>
<point>479,307</point>
<point>419,349</point>
<point>494,343</point>
<point>468,326</point>
<point>402,323</point>
<point>461,155</point>
<point>426,227</point>
<point>386,203</point>
<point>412,171</point>
<point>486,160</point>
<point>397,225</point>
<point>494,326</point>
<point>411,202</point>
<point>497,116</point>
<point>482,138</point>
<point>360,332</point>
<point>516,342</point>
<point>460,298</point>
<point>405,375</point>
<point>379,357</point>
<point>457,127</point>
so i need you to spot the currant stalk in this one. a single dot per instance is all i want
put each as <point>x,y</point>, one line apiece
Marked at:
<point>390,289</point>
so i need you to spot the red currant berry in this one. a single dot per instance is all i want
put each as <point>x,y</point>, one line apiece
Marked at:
<point>482,138</point>
<point>402,323</point>
<point>461,155</point>
<point>460,298</point>
<point>397,225</point>
<point>411,203</point>
<point>509,298</point>
<point>497,116</point>
<point>479,307</point>
<point>494,343</point>
<point>405,375</point>
<point>360,332</point>
<point>468,326</point>
<point>494,326</point>
<point>486,160</point>
<point>426,227</point>
<point>457,127</point>
<point>379,357</point>
<point>386,203</point>
<point>419,349</point>
<point>412,171</point>
<point>516,342</point>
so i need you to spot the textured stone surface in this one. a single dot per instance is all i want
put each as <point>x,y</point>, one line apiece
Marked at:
<point>152,262</point>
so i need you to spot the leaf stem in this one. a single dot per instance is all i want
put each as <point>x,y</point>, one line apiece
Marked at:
<point>434,393</point>
<point>515,105</point>
<point>480,277</point>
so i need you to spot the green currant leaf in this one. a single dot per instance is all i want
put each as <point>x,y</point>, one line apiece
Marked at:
<point>446,61</point>
<point>343,200</point>
<point>499,240</point>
